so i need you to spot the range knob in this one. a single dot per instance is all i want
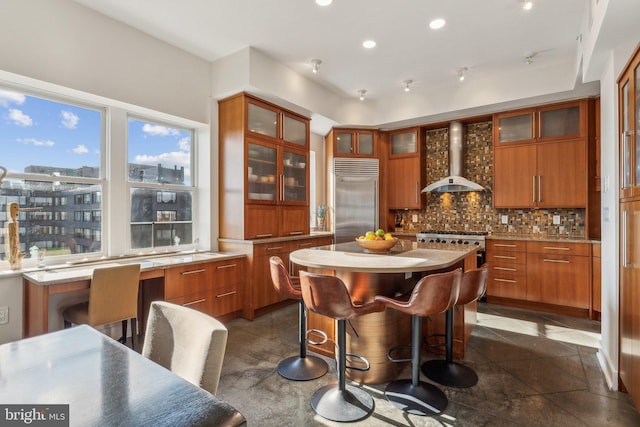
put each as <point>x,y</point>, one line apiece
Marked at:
<point>466,242</point>
<point>453,241</point>
<point>459,241</point>
<point>477,243</point>
<point>431,240</point>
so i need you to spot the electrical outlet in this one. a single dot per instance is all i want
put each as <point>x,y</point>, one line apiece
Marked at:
<point>556,220</point>
<point>414,218</point>
<point>505,219</point>
<point>4,315</point>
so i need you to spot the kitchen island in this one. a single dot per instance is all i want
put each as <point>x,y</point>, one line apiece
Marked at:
<point>367,275</point>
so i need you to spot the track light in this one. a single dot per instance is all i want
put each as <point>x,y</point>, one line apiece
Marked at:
<point>406,84</point>
<point>528,58</point>
<point>315,64</point>
<point>461,73</point>
<point>361,92</point>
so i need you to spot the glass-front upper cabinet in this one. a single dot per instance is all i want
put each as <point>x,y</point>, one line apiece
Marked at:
<point>562,121</point>
<point>262,172</point>
<point>354,143</point>
<point>294,177</point>
<point>262,120</point>
<point>295,130</point>
<point>403,143</point>
<point>514,127</point>
<point>629,122</point>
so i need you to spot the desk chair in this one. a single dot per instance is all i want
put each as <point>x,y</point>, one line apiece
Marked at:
<point>189,343</point>
<point>113,297</point>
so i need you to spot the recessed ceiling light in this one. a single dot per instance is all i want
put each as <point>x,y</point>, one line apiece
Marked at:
<point>369,44</point>
<point>323,2</point>
<point>437,23</point>
<point>527,5</point>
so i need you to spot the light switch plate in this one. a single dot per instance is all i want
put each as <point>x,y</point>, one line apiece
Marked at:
<point>505,219</point>
<point>556,220</point>
<point>414,218</point>
<point>4,315</point>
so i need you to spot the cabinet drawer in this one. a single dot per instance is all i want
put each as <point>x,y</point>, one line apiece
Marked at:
<point>496,258</point>
<point>276,248</point>
<point>559,248</point>
<point>311,243</point>
<point>507,283</point>
<point>214,303</point>
<point>506,245</point>
<point>226,273</point>
<point>187,280</point>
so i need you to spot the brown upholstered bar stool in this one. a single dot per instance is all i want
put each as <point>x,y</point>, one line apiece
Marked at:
<point>447,372</point>
<point>329,296</point>
<point>301,367</point>
<point>433,294</point>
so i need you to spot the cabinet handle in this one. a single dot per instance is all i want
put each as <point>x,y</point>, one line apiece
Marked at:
<point>504,245</point>
<point>225,266</point>
<point>264,235</point>
<point>533,188</point>
<point>202,270</point>
<point>556,248</point>
<point>302,245</point>
<point>504,257</point>
<point>293,233</point>
<point>625,260</point>
<point>539,188</point>
<point>417,193</point>
<point>282,185</point>
<point>226,294</point>
<point>505,280</point>
<point>563,261</point>
<point>275,248</point>
<point>504,268</point>
<point>198,301</point>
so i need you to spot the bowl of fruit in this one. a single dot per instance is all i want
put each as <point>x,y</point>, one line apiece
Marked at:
<point>377,242</point>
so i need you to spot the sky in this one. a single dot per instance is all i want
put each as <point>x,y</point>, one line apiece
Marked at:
<point>35,131</point>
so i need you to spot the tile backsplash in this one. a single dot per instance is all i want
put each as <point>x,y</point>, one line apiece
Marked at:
<point>473,211</point>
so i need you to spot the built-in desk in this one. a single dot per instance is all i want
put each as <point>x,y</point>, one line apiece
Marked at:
<point>210,282</point>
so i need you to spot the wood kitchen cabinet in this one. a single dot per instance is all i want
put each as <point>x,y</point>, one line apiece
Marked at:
<point>541,162</point>
<point>264,174</point>
<point>260,297</point>
<point>507,260</point>
<point>629,294</point>
<point>348,142</point>
<point>406,170</point>
<point>548,275</point>
<point>215,288</point>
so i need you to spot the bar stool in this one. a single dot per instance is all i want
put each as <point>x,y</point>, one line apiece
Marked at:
<point>328,296</point>
<point>433,294</point>
<point>301,367</point>
<point>447,372</point>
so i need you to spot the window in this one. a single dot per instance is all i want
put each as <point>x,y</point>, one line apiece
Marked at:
<point>160,183</point>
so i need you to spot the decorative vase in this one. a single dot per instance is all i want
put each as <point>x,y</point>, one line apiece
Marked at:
<point>321,223</point>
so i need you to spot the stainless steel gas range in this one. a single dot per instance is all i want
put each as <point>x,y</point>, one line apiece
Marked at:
<point>476,238</point>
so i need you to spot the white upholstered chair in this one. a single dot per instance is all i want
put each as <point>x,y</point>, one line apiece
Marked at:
<point>189,343</point>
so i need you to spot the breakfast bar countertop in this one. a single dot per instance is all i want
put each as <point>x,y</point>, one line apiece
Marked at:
<point>405,256</point>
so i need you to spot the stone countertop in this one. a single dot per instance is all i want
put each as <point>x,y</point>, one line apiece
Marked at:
<point>540,238</point>
<point>405,257</point>
<point>279,239</point>
<point>53,274</point>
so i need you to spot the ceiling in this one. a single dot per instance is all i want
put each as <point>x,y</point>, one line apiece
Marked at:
<point>491,38</point>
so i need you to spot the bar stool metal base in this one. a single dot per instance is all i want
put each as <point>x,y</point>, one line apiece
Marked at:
<point>352,404</point>
<point>424,399</point>
<point>450,374</point>
<point>298,368</point>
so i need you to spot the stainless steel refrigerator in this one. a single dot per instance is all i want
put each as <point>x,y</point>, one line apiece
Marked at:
<point>355,197</point>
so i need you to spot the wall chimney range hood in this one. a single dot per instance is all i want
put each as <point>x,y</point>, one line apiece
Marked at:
<point>455,182</point>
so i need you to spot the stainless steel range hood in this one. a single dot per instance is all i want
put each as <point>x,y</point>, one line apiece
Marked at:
<point>455,182</point>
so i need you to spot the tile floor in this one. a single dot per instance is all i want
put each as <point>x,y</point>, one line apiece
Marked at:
<point>535,369</point>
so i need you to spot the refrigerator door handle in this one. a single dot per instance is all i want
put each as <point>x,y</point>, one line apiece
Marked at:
<point>355,178</point>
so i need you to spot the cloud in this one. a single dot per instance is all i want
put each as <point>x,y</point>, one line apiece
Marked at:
<point>7,98</point>
<point>157,130</point>
<point>185,144</point>
<point>80,149</point>
<point>167,160</point>
<point>37,142</point>
<point>19,118</point>
<point>69,120</point>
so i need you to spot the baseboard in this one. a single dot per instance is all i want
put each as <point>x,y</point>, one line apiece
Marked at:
<point>610,374</point>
